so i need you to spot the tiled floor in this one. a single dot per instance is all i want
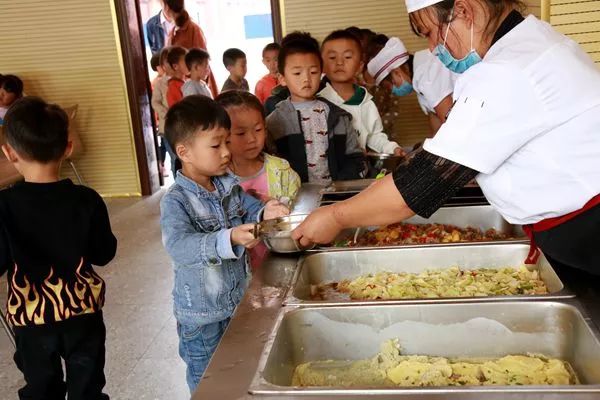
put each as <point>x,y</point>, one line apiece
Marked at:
<point>142,359</point>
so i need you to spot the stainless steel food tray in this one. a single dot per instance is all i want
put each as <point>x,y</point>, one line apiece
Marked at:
<point>329,267</point>
<point>351,186</point>
<point>450,330</point>
<point>483,217</point>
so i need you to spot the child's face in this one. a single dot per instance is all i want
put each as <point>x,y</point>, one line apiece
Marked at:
<point>6,98</point>
<point>239,69</point>
<point>247,133</point>
<point>342,60</point>
<point>270,61</point>
<point>180,69</point>
<point>200,71</point>
<point>206,154</point>
<point>302,75</point>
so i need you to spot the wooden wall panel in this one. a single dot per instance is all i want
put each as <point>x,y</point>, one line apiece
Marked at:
<point>68,53</point>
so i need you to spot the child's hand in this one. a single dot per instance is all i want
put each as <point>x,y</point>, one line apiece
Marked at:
<point>399,151</point>
<point>243,235</point>
<point>275,209</point>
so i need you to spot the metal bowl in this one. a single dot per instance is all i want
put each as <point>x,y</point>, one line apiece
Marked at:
<point>379,161</point>
<point>277,233</point>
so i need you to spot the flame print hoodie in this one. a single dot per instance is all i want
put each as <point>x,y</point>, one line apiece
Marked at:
<point>50,235</point>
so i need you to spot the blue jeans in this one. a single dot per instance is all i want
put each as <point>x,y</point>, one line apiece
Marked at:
<point>196,346</point>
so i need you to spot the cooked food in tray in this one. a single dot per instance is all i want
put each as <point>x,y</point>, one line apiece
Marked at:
<point>449,282</point>
<point>391,369</point>
<point>402,233</point>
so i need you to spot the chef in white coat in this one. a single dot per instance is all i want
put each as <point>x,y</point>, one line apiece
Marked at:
<point>525,123</point>
<point>423,73</point>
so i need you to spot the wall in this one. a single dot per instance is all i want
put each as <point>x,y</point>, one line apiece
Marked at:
<point>68,52</point>
<point>579,20</point>
<point>385,16</point>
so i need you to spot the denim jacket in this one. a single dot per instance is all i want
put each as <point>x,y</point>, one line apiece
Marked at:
<point>155,34</point>
<point>211,275</point>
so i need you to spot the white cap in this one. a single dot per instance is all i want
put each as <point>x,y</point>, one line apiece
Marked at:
<point>393,55</point>
<point>416,5</point>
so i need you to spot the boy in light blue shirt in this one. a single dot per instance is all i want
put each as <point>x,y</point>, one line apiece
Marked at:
<point>207,224</point>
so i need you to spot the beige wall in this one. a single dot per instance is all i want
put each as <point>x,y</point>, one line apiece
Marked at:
<point>320,17</point>
<point>579,20</point>
<point>68,52</point>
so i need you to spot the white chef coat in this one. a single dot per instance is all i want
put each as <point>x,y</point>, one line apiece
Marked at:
<point>432,81</point>
<point>528,119</point>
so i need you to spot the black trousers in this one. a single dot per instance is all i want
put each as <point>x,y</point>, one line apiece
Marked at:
<point>78,341</point>
<point>575,243</point>
<point>573,250</point>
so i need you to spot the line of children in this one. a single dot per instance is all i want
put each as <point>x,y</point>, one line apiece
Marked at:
<point>314,135</point>
<point>236,64</point>
<point>196,61</point>
<point>207,223</point>
<point>267,83</point>
<point>342,57</point>
<point>51,233</point>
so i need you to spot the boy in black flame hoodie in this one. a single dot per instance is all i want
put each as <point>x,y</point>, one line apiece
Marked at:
<point>51,232</point>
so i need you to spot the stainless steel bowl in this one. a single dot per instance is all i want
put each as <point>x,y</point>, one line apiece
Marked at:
<point>277,233</point>
<point>379,161</point>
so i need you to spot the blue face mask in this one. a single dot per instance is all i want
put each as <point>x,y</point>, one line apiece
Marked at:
<point>402,90</point>
<point>454,65</point>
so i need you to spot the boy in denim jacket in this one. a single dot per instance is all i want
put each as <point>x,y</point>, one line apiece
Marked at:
<point>206,227</point>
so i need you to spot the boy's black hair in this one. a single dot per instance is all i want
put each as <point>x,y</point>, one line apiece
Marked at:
<point>12,84</point>
<point>342,34</point>
<point>271,47</point>
<point>240,98</point>
<point>38,131</point>
<point>174,55</point>
<point>297,43</point>
<point>191,114</point>
<point>230,56</point>
<point>355,30</point>
<point>155,62</point>
<point>196,56</point>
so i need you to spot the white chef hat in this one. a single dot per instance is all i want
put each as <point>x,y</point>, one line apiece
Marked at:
<point>416,5</point>
<point>393,55</point>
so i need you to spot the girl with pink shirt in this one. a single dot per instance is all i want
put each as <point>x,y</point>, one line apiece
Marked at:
<point>262,175</point>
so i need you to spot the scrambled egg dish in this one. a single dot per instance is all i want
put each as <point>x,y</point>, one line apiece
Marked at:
<point>391,369</point>
<point>450,282</point>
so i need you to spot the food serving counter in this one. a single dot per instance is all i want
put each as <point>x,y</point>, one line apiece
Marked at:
<point>275,327</point>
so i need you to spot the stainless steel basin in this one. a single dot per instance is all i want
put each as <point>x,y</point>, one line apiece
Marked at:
<point>450,330</point>
<point>336,266</point>
<point>483,217</point>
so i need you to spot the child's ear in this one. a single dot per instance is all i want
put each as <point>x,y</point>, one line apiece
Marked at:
<point>182,152</point>
<point>10,153</point>
<point>68,149</point>
<point>282,81</point>
<point>361,68</point>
